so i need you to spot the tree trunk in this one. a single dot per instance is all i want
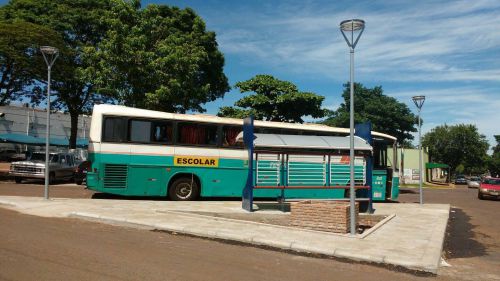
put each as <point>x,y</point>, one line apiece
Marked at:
<point>74,129</point>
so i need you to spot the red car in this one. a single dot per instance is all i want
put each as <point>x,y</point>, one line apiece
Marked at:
<point>490,187</point>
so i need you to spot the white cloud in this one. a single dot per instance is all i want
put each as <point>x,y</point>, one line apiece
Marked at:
<point>457,105</point>
<point>426,40</point>
<point>421,46</point>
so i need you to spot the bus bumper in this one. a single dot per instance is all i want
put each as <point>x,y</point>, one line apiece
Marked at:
<point>92,180</point>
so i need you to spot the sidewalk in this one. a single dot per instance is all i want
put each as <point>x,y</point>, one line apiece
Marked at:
<point>413,238</point>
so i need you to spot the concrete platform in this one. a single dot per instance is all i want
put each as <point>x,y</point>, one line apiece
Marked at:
<point>413,238</point>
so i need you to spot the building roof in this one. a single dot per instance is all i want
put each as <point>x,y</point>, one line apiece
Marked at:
<point>431,165</point>
<point>26,139</point>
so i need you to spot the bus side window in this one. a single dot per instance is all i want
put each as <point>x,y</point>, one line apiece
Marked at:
<point>229,134</point>
<point>114,129</point>
<point>290,132</point>
<point>162,132</point>
<point>265,130</point>
<point>140,131</point>
<point>197,134</point>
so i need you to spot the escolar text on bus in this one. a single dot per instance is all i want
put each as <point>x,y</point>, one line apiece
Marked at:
<point>196,161</point>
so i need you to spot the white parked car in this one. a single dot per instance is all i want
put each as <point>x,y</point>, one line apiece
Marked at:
<point>474,182</point>
<point>62,166</point>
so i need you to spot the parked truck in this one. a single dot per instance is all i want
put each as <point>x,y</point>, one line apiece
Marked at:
<point>62,167</point>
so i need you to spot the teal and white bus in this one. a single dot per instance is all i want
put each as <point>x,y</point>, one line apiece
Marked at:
<point>137,152</point>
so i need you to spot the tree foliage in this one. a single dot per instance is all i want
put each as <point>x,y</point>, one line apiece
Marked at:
<point>80,24</point>
<point>494,162</point>
<point>274,100</point>
<point>386,114</point>
<point>21,64</point>
<point>161,58</point>
<point>458,146</point>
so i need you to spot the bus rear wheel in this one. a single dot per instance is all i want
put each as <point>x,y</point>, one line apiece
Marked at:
<point>183,189</point>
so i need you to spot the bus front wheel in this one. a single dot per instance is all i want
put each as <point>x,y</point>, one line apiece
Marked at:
<point>183,189</point>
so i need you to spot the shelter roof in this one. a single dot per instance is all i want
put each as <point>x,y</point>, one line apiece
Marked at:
<point>307,142</point>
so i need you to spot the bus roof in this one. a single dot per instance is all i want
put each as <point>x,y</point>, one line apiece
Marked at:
<point>119,110</point>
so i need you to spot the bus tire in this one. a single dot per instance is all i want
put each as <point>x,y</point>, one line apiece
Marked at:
<point>18,179</point>
<point>183,189</point>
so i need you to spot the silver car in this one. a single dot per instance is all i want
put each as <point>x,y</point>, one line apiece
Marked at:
<point>62,166</point>
<point>473,182</point>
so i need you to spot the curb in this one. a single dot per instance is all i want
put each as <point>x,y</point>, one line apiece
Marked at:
<point>8,204</point>
<point>253,222</point>
<point>358,236</point>
<point>377,226</point>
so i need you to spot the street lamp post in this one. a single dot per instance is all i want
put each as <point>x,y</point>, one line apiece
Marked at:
<point>353,28</point>
<point>419,102</point>
<point>50,55</point>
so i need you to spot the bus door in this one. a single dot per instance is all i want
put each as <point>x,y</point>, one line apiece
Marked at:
<point>379,183</point>
<point>388,186</point>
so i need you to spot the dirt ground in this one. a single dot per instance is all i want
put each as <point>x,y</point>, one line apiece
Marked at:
<point>47,248</point>
<point>36,248</point>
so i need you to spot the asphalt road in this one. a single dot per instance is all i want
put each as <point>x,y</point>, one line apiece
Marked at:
<point>472,245</point>
<point>34,248</point>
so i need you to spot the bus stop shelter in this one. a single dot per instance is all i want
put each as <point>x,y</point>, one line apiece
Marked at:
<point>288,162</point>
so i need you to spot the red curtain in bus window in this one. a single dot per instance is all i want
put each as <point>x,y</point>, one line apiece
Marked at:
<point>230,135</point>
<point>188,134</point>
<point>201,135</point>
<point>192,134</point>
<point>169,133</point>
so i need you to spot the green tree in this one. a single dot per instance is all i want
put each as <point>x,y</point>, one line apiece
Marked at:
<point>160,58</point>
<point>21,64</point>
<point>458,146</point>
<point>80,23</point>
<point>386,114</point>
<point>494,161</point>
<point>274,100</point>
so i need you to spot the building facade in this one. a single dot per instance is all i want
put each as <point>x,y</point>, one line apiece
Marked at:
<point>17,119</point>
<point>408,164</point>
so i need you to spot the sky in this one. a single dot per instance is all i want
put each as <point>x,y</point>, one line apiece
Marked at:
<point>448,51</point>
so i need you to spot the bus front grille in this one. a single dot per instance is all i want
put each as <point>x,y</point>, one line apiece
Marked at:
<point>115,176</point>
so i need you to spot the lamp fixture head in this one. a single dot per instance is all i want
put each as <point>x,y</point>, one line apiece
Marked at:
<point>50,54</point>
<point>355,27</point>
<point>352,25</point>
<point>49,50</point>
<point>419,101</point>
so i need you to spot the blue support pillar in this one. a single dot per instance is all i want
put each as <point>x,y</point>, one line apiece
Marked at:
<point>364,131</point>
<point>248,138</point>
